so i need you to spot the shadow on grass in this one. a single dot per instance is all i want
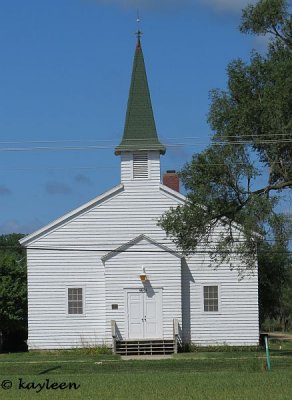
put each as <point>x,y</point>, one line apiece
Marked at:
<point>281,353</point>
<point>49,370</point>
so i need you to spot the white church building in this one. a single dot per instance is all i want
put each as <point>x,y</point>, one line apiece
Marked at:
<point>107,274</point>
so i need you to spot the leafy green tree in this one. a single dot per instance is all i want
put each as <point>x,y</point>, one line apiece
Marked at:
<point>239,178</point>
<point>13,285</point>
<point>275,283</point>
<point>285,307</point>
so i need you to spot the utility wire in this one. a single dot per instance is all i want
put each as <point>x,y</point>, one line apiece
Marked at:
<point>106,147</point>
<point>165,243</point>
<point>146,251</point>
<point>55,168</point>
<point>112,167</point>
<point>105,248</point>
<point>137,139</point>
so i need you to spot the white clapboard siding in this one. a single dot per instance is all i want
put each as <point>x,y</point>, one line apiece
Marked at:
<point>49,276</point>
<point>122,272</point>
<point>236,323</point>
<point>122,216</point>
<point>104,227</point>
<point>146,166</point>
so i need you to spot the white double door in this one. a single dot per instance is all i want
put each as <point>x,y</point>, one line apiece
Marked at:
<point>144,313</point>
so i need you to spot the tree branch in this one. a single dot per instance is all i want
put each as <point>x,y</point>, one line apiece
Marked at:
<point>276,33</point>
<point>278,186</point>
<point>264,190</point>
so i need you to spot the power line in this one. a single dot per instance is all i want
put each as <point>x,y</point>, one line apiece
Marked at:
<point>106,147</point>
<point>58,141</point>
<point>116,249</point>
<point>251,135</point>
<point>170,243</point>
<point>107,250</point>
<point>137,139</point>
<point>55,168</point>
<point>69,168</point>
<point>107,167</point>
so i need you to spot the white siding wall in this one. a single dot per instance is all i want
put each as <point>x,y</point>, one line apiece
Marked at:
<point>49,275</point>
<point>126,166</point>
<point>153,166</point>
<point>163,271</point>
<point>236,322</point>
<point>106,226</point>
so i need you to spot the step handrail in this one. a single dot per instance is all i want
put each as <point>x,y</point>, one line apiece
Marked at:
<point>175,333</point>
<point>114,335</point>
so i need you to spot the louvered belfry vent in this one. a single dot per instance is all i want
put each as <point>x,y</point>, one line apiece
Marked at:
<point>140,165</point>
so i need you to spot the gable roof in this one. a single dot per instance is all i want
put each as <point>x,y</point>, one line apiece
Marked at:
<point>140,130</point>
<point>136,240</point>
<point>71,215</point>
<point>84,208</point>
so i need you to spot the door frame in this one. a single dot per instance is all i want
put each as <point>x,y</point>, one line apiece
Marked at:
<point>126,322</point>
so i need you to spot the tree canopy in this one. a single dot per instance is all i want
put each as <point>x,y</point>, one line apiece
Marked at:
<point>275,283</point>
<point>13,290</point>
<point>238,179</point>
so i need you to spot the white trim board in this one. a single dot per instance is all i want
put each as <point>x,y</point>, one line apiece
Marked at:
<point>136,240</point>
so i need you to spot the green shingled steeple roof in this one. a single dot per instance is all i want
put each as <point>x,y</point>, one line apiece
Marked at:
<point>140,130</point>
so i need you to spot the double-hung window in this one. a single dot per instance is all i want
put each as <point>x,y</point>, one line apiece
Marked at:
<point>211,298</point>
<point>75,301</point>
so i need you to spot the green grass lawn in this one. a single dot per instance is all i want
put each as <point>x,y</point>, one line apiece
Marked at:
<point>201,375</point>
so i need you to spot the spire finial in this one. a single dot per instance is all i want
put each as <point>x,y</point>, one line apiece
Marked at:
<point>138,33</point>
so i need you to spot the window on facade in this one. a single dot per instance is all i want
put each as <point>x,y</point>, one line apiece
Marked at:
<point>75,301</point>
<point>140,165</point>
<point>210,298</point>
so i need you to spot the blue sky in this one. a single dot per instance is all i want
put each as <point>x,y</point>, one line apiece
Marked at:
<point>64,77</point>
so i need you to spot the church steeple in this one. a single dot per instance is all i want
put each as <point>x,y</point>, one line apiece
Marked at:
<point>140,130</point>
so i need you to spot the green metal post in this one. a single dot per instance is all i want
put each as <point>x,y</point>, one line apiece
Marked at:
<point>267,353</point>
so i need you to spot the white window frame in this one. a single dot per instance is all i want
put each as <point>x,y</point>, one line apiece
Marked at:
<point>67,301</point>
<point>219,298</point>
